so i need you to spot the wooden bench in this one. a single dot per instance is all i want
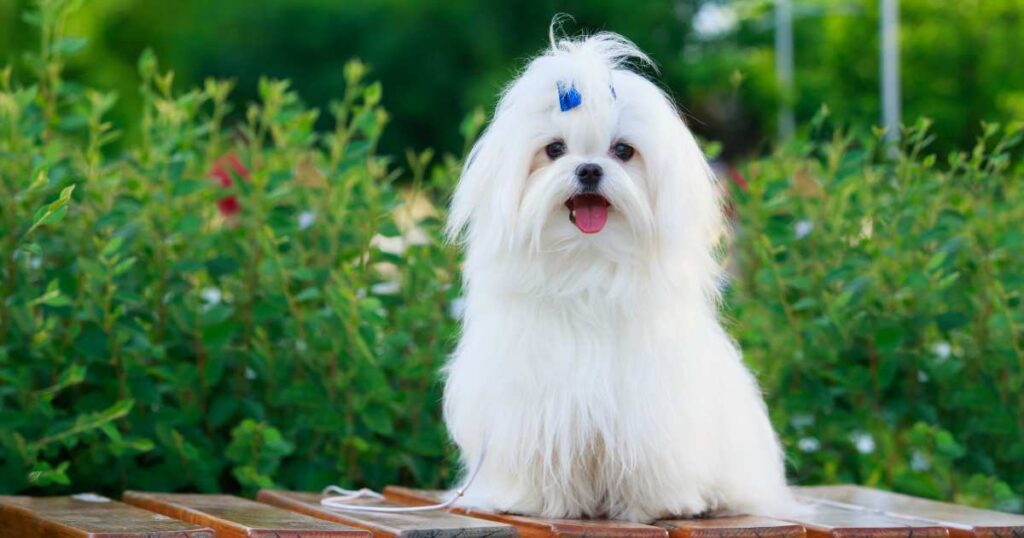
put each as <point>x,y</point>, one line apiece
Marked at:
<point>959,521</point>
<point>835,512</point>
<point>428,524</point>
<point>231,516</point>
<point>733,527</point>
<point>88,516</point>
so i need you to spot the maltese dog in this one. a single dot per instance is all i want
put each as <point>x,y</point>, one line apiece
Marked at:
<point>593,377</point>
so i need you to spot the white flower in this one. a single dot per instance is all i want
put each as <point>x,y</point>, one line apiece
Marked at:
<point>713,20</point>
<point>942,349</point>
<point>808,444</point>
<point>457,308</point>
<point>250,374</point>
<point>389,245</point>
<point>306,219</point>
<point>416,236</point>
<point>211,296</point>
<point>863,442</point>
<point>919,462</point>
<point>801,421</point>
<point>922,377</point>
<point>803,228</point>
<point>386,288</point>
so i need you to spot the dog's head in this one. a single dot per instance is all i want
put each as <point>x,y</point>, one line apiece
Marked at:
<point>586,158</point>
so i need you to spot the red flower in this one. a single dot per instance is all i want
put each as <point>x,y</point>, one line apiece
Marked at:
<point>725,171</point>
<point>736,177</point>
<point>222,171</point>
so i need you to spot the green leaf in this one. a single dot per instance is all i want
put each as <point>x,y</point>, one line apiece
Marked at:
<point>147,64</point>
<point>52,296</point>
<point>124,266</point>
<point>372,94</point>
<point>936,261</point>
<point>221,410</point>
<point>377,419</point>
<point>112,246</point>
<point>85,423</point>
<point>188,187</point>
<point>948,321</point>
<point>805,303</point>
<point>68,46</point>
<point>308,294</point>
<point>888,338</point>
<point>45,475</point>
<point>73,375</point>
<point>54,212</point>
<point>59,300</point>
<point>218,335</point>
<point>51,217</point>
<point>41,180</point>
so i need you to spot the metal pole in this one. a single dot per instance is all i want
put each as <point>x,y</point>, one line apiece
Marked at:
<point>784,65</point>
<point>890,29</point>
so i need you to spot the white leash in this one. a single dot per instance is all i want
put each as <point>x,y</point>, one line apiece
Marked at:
<point>340,502</point>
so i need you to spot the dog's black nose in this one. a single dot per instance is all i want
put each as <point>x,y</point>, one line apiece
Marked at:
<point>589,174</point>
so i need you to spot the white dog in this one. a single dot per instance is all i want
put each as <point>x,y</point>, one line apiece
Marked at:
<point>592,375</point>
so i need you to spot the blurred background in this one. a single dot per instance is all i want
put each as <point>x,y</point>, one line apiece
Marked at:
<point>439,59</point>
<point>221,265</point>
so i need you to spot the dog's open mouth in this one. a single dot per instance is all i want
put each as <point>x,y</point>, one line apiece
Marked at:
<point>589,212</point>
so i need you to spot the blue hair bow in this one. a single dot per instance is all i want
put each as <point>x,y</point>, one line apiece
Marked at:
<point>568,98</point>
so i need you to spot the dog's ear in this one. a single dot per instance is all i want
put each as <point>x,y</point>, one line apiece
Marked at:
<point>490,186</point>
<point>687,200</point>
<point>467,190</point>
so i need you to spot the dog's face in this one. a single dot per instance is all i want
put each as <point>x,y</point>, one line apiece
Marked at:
<point>585,156</point>
<point>587,171</point>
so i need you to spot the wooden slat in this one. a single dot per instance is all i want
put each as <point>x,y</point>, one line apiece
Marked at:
<point>235,517</point>
<point>727,527</point>
<point>87,516</point>
<point>531,527</point>
<point>428,524</point>
<point>961,521</point>
<point>415,497</point>
<point>731,527</point>
<point>827,520</point>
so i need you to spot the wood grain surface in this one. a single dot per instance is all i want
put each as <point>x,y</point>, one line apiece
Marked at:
<point>833,512</point>
<point>235,517</point>
<point>88,516</point>
<point>961,521</point>
<point>828,520</point>
<point>428,524</point>
<point>534,527</point>
<point>731,527</point>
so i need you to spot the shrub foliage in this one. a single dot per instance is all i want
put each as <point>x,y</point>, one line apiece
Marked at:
<point>213,307</point>
<point>228,305</point>
<point>878,292</point>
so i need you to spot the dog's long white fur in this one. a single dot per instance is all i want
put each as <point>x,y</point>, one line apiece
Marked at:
<point>595,366</point>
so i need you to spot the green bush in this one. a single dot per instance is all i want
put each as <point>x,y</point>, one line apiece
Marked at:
<point>879,296</point>
<point>161,331</point>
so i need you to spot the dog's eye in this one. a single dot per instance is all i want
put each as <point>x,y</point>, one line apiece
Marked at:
<point>555,149</point>
<point>623,151</point>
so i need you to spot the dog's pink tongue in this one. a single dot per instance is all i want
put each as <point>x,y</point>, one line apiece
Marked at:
<point>591,212</point>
